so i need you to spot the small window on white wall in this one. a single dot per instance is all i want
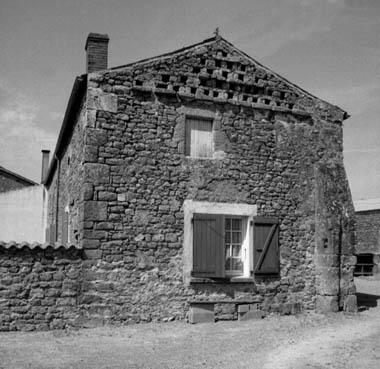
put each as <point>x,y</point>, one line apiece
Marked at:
<point>199,138</point>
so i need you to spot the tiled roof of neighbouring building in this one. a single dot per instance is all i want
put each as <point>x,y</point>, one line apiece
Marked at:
<point>36,245</point>
<point>17,177</point>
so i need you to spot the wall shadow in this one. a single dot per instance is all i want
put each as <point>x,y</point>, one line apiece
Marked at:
<point>366,301</point>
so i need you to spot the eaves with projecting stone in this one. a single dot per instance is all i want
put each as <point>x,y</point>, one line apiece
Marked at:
<point>216,70</point>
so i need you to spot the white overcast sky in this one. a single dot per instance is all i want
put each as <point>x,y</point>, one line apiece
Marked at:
<point>329,47</point>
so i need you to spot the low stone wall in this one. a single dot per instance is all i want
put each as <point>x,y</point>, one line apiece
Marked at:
<point>39,288</point>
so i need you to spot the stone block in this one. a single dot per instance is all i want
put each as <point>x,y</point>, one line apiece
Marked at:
<point>95,137</point>
<point>348,260</point>
<point>100,100</point>
<point>327,281</point>
<point>90,154</point>
<point>95,210</point>
<point>244,308</point>
<point>96,173</point>
<point>252,315</point>
<point>107,196</point>
<point>201,313</point>
<point>90,244</point>
<point>93,254</point>
<point>326,304</point>
<point>350,304</point>
<point>92,234</point>
<point>327,260</point>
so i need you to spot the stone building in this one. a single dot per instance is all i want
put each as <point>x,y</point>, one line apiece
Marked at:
<point>10,181</point>
<point>196,182</point>
<point>367,248</point>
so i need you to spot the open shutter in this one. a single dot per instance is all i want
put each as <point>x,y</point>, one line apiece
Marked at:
<point>266,258</point>
<point>52,233</point>
<point>208,246</point>
<point>65,227</point>
<point>47,234</point>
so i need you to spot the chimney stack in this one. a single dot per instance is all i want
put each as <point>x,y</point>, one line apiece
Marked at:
<point>45,164</point>
<point>96,52</point>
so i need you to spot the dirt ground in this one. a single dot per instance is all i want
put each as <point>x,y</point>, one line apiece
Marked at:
<point>310,341</point>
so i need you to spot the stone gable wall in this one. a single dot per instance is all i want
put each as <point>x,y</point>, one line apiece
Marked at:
<point>137,177</point>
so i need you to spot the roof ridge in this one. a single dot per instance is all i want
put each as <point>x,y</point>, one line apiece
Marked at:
<point>182,49</point>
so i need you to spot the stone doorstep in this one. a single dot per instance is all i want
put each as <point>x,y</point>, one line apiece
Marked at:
<point>204,312</point>
<point>201,313</point>
<point>250,311</point>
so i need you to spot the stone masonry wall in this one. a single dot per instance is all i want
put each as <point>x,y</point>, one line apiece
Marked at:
<point>39,289</point>
<point>136,185</point>
<point>368,232</point>
<point>69,176</point>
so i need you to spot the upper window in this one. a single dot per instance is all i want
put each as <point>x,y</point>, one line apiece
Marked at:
<point>199,137</point>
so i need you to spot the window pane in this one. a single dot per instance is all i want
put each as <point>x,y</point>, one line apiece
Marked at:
<point>236,237</point>
<point>228,251</point>
<point>228,223</point>
<point>233,237</point>
<point>227,237</point>
<point>236,250</point>
<point>237,264</point>
<point>236,224</point>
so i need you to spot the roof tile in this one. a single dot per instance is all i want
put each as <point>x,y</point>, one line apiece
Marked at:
<point>36,245</point>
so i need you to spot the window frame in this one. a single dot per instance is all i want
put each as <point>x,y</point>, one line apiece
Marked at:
<point>189,117</point>
<point>244,244</point>
<point>242,210</point>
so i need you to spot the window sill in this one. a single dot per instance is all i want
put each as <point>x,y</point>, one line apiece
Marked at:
<point>199,157</point>
<point>195,280</point>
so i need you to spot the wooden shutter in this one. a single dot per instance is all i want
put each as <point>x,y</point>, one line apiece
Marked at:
<point>52,233</point>
<point>47,234</point>
<point>266,258</point>
<point>199,142</point>
<point>208,246</point>
<point>65,227</point>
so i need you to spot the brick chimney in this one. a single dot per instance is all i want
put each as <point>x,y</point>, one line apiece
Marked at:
<point>96,52</point>
<point>45,164</point>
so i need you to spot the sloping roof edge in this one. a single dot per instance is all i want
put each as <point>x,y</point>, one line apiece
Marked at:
<point>17,176</point>
<point>216,38</point>
<point>367,205</point>
<point>72,108</point>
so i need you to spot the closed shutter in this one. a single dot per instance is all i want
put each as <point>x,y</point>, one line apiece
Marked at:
<point>208,246</point>
<point>199,142</point>
<point>65,227</point>
<point>266,258</point>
